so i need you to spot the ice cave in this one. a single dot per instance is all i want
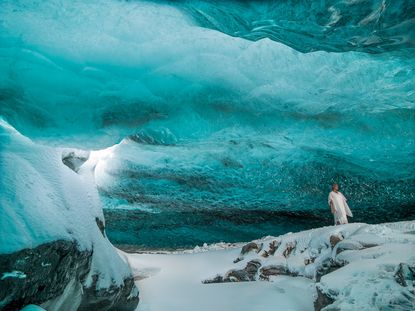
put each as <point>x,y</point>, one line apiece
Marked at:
<point>179,155</point>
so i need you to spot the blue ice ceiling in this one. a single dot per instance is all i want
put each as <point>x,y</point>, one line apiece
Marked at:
<point>231,118</point>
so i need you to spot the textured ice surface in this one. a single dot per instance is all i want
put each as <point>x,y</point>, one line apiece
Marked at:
<point>372,26</point>
<point>228,137</point>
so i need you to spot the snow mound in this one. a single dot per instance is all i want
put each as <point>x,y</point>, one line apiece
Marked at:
<point>355,266</point>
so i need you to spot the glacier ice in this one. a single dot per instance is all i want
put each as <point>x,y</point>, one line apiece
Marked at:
<point>215,125</point>
<point>193,122</point>
<point>371,26</point>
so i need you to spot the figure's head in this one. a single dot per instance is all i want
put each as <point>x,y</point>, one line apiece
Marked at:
<point>335,187</point>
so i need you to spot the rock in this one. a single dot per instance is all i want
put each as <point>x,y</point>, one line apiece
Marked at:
<point>47,270</point>
<point>119,298</point>
<point>368,245</point>
<point>347,245</point>
<point>290,246</point>
<point>327,267</point>
<point>100,225</point>
<point>335,238</point>
<point>323,299</point>
<point>216,279</point>
<point>273,246</point>
<point>241,275</point>
<point>274,270</point>
<point>252,246</point>
<point>74,158</point>
<point>53,275</point>
<point>308,261</point>
<point>404,274</point>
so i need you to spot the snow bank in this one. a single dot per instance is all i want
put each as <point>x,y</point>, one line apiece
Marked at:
<point>348,267</point>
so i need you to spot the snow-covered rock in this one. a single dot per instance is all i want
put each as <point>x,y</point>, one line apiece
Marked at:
<point>53,249</point>
<point>355,267</point>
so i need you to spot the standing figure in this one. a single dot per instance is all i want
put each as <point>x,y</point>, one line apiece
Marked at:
<point>338,206</point>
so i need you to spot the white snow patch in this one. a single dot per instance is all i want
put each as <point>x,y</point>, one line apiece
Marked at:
<point>13,274</point>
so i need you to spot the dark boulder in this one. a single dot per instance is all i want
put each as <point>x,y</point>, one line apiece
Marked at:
<point>116,298</point>
<point>335,238</point>
<point>274,270</point>
<point>289,248</point>
<point>53,275</point>
<point>405,274</point>
<point>252,246</point>
<point>75,158</point>
<point>238,275</point>
<point>323,299</point>
<point>43,273</point>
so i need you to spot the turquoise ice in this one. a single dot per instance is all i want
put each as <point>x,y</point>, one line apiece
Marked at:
<point>226,120</point>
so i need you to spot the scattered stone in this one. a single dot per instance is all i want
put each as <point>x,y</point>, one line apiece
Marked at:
<point>335,238</point>
<point>290,246</point>
<point>274,270</point>
<point>273,246</point>
<point>74,158</point>
<point>404,274</point>
<point>100,225</point>
<point>308,261</point>
<point>323,299</point>
<point>252,246</point>
<point>242,275</point>
<point>369,245</point>
<point>114,297</point>
<point>347,245</point>
<point>327,267</point>
<point>216,279</point>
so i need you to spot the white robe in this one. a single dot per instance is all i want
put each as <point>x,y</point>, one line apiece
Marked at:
<point>341,209</point>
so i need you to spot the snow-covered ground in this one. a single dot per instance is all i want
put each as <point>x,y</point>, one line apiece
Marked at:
<point>348,267</point>
<point>174,283</point>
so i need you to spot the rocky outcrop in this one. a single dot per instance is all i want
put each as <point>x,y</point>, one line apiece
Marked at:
<point>405,274</point>
<point>41,274</point>
<point>333,258</point>
<point>53,275</point>
<point>247,248</point>
<point>74,158</point>
<point>101,226</point>
<point>53,248</point>
<point>120,298</point>
<point>274,270</point>
<point>273,246</point>
<point>335,238</point>
<point>246,274</point>
<point>327,266</point>
<point>289,248</point>
<point>323,300</point>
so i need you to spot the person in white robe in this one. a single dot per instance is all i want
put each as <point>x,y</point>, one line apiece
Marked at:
<point>338,206</point>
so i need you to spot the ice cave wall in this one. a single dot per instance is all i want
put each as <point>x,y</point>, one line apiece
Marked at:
<point>201,113</point>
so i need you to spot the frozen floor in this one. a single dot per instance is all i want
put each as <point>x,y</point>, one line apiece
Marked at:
<point>174,283</point>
